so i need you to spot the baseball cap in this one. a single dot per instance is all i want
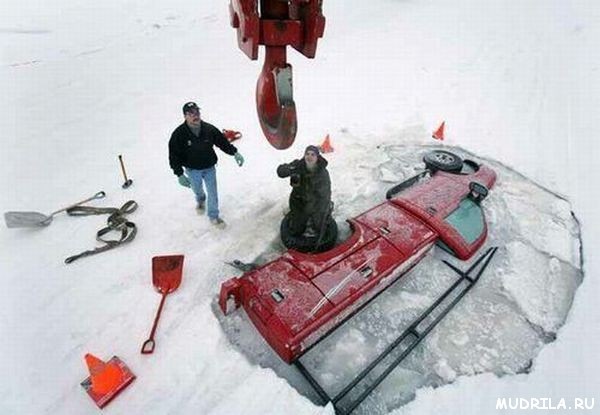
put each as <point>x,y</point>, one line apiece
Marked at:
<point>190,107</point>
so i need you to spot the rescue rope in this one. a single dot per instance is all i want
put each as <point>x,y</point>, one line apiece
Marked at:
<point>115,222</point>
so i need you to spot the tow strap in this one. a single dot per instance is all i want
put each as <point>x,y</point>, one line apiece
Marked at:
<point>115,222</point>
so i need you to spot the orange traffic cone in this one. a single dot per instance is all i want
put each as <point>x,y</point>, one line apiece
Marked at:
<point>325,147</point>
<point>106,380</point>
<point>104,377</point>
<point>439,133</point>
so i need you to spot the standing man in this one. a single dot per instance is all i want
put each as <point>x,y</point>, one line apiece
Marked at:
<point>191,147</point>
<point>311,192</point>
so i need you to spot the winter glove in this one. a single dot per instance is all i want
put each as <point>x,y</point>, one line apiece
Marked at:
<point>183,180</point>
<point>238,159</point>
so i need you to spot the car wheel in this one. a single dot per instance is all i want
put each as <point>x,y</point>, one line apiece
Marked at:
<point>443,160</point>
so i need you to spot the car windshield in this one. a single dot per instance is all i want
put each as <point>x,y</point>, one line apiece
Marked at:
<point>468,220</point>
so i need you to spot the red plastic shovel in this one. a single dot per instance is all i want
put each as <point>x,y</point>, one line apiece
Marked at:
<point>166,277</point>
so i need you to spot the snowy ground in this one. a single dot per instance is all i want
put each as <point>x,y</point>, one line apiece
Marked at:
<point>82,83</point>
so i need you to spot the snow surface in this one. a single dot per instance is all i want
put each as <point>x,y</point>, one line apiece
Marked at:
<point>82,83</point>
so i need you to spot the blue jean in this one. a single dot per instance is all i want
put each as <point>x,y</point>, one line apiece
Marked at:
<point>209,178</point>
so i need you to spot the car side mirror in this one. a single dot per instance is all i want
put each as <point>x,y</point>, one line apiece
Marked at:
<point>478,192</point>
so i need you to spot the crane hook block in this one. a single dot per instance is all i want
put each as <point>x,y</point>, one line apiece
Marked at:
<point>277,24</point>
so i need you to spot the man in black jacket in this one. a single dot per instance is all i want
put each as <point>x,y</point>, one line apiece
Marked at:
<point>191,147</point>
<point>311,192</point>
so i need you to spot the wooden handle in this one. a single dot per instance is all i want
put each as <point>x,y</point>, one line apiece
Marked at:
<point>122,167</point>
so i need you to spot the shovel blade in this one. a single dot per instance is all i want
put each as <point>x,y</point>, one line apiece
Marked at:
<point>26,219</point>
<point>166,272</point>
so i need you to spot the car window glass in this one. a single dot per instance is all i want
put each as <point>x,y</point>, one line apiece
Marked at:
<point>468,220</point>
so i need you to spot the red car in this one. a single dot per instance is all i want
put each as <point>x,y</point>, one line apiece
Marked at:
<point>299,298</point>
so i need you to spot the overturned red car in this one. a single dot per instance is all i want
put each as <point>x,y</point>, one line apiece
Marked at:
<point>299,298</point>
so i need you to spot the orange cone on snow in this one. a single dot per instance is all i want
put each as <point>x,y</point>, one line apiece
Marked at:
<point>106,380</point>
<point>104,377</point>
<point>325,147</point>
<point>439,133</point>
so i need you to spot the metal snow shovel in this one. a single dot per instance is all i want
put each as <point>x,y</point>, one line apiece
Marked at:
<point>37,219</point>
<point>166,277</point>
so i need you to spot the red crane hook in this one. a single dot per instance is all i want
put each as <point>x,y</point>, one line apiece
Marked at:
<point>298,23</point>
<point>274,100</point>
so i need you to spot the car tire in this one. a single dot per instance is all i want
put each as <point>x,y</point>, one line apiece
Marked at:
<point>443,160</point>
<point>309,244</point>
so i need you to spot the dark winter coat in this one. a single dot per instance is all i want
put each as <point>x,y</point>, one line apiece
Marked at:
<point>187,150</point>
<point>311,191</point>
